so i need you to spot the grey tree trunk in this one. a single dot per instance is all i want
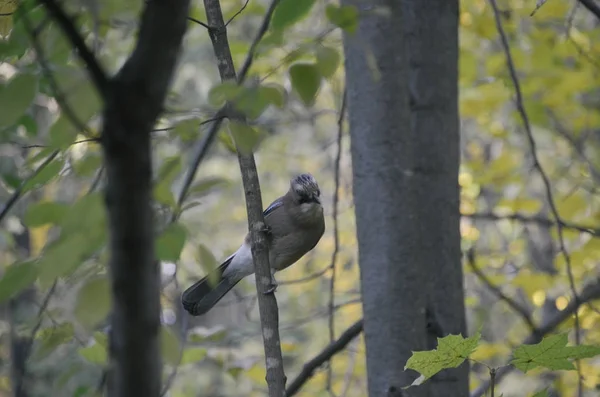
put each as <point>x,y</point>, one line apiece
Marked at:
<point>405,154</point>
<point>431,28</point>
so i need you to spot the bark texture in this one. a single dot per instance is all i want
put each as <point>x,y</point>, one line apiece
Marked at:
<point>387,194</point>
<point>401,76</point>
<point>434,129</point>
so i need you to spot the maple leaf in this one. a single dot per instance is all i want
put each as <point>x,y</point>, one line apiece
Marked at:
<point>451,352</point>
<point>552,353</point>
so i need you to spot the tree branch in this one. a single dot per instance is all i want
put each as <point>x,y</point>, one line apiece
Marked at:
<point>96,72</point>
<point>589,293</point>
<point>539,220</point>
<point>17,193</point>
<point>521,310</point>
<point>267,303</point>
<point>325,355</point>
<point>519,103</point>
<point>133,103</point>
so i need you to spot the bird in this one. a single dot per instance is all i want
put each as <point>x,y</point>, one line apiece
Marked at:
<point>294,224</point>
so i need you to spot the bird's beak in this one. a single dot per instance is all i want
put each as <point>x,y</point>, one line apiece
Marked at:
<point>317,199</point>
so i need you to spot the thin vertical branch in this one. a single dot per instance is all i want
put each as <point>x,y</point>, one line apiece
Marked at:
<point>336,237</point>
<point>546,180</point>
<point>267,303</point>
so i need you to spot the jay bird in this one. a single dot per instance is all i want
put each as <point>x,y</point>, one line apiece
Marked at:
<point>294,223</point>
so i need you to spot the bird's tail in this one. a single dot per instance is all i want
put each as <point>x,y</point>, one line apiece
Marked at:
<point>199,298</point>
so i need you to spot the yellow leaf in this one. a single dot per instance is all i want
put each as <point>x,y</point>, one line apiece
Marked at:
<point>6,21</point>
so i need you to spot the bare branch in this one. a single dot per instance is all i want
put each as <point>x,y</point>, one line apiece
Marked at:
<point>17,193</point>
<point>536,162</point>
<point>96,72</point>
<point>237,13</point>
<point>521,310</point>
<point>542,221</point>
<point>267,303</point>
<point>589,293</point>
<point>323,357</point>
<point>198,22</point>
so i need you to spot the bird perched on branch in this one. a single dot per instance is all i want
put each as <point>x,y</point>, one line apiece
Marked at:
<point>295,224</point>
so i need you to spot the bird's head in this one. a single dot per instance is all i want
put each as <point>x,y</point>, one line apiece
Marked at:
<point>305,189</point>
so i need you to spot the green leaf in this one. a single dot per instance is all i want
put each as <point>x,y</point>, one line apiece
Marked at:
<point>273,94</point>
<point>451,352</point>
<point>289,12</point>
<point>246,138</point>
<point>202,187</point>
<point>223,92</point>
<point>552,353</point>
<point>44,213</point>
<point>167,173</point>
<point>208,262</point>
<point>16,97</point>
<point>93,302</point>
<point>306,81</point>
<point>29,124</point>
<point>89,164</point>
<point>170,346</point>
<point>52,338</point>
<point>328,61</point>
<point>193,355</point>
<point>345,17</point>
<point>45,175</point>
<point>62,257</point>
<point>16,278</point>
<point>187,130</point>
<point>11,180</point>
<point>170,243</point>
<point>95,354</point>
<point>62,133</point>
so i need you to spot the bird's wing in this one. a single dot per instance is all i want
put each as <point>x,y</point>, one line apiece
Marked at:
<point>273,206</point>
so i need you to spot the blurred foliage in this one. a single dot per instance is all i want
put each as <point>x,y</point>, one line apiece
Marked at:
<point>292,98</point>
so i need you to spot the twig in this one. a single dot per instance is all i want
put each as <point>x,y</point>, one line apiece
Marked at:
<point>336,237</point>
<point>324,356</point>
<point>34,331</point>
<point>560,128</point>
<point>262,30</point>
<point>521,310</point>
<point>589,293</point>
<point>96,72</point>
<point>539,220</point>
<point>58,94</point>
<point>202,147</point>
<point>237,13</point>
<point>17,193</point>
<point>307,278</point>
<point>536,162</point>
<point>198,22</point>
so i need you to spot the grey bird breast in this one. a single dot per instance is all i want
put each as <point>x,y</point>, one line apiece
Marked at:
<point>294,237</point>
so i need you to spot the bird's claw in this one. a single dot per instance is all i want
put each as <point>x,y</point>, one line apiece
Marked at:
<point>266,229</point>
<point>272,288</point>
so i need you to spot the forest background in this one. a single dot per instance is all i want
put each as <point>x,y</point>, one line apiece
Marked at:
<point>520,269</point>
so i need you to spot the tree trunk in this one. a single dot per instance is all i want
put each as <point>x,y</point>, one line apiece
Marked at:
<point>388,191</point>
<point>433,90</point>
<point>401,77</point>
